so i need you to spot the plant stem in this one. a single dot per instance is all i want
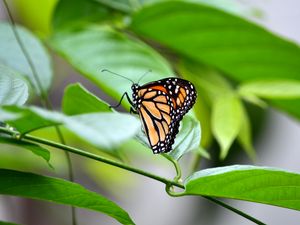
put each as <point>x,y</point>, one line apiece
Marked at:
<point>176,165</point>
<point>169,183</point>
<point>44,97</point>
<point>89,155</point>
<point>234,210</point>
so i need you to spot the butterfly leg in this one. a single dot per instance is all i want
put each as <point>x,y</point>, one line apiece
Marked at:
<point>132,110</point>
<point>128,99</point>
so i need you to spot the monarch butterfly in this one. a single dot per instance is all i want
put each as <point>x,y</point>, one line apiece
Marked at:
<point>161,106</point>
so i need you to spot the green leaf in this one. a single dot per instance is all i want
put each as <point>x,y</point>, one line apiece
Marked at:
<point>245,135</point>
<point>25,119</point>
<point>104,130</point>
<point>120,5</point>
<point>12,56</point>
<point>188,138</point>
<point>76,95</point>
<point>226,121</point>
<point>271,89</point>
<point>59,191</point>
<point>96,47</point>
<point>13,88</point>
<point>7,223</point>
<point>251,183</point>
<point>75,14</point>
<point>34,148</point>
<point>245,51</point>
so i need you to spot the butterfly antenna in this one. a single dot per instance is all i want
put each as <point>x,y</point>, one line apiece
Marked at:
<point>106,70</point>
<point>147,72</point>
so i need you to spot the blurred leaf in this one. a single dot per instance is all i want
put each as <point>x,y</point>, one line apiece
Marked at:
<point>56,190</point>
<point>245,52</point>
<point>188,138</point>
<point>34,14</point>
<point>245,136</point>
<point>6,115</point>
<point>7,223</point>
<point>75,14</point>
<point>12,56</point>
<point>34,148</point>
<point>271,89</point>
<point>251,183</point>
<point>226,121</point>
<point>291,106</point>
<point>121,5</point>
<point>209,85</point>
<point>25,119</point>
<point>78,100</point>
<point>95,48</point>
<point>13,88</point>
<point>104,130</point>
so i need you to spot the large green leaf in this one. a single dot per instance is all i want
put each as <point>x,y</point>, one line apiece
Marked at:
<point>245,135</point>
<point>251,183</point>
<point>34,148</point>
<point>13,88</point>
<point>78,13</point>
<point>188,139</point>
<point>105,130</point>
<point>59,191</point>
<point>243,50</point>
<point>96,47</point>
<point>272,89</point>
<point>226,121</point>
<point>240,48</point>
<point>78,100</point>
<point>12,56</point>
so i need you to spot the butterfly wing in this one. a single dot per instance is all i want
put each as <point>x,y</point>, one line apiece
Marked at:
<point>161,106</point>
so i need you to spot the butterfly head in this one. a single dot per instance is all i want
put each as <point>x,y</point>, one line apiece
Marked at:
<point>135,87</point>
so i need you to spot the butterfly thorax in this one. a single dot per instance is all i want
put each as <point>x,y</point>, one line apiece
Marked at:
<point>161,105</point>
<point>135,97</point>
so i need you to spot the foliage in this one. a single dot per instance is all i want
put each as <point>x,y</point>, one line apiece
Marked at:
<point>248,63</point>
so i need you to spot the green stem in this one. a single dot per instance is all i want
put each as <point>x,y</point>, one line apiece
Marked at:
<point>234,210</point>
<point>176,165</point>
<point>44,97</point>
<point>169,183</point>
<point>89,155</point>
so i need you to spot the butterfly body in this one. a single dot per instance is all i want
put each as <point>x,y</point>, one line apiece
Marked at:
<point>161,106</point>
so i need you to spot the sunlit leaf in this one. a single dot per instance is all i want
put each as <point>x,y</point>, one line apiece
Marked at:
<point>226,121</point>
<point>96,47</point>
<point>34,148</point>
<point>245,135</point>
<point>251,183</point>
<point>78,100</point>
<point>13,88</point>
<point>241,49</point>
<point>188,138</point>
<point>271,89</point>
<point>78,13</point>
<point>103,129</point>
<point>12,56</point>
<point>59,191</point>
